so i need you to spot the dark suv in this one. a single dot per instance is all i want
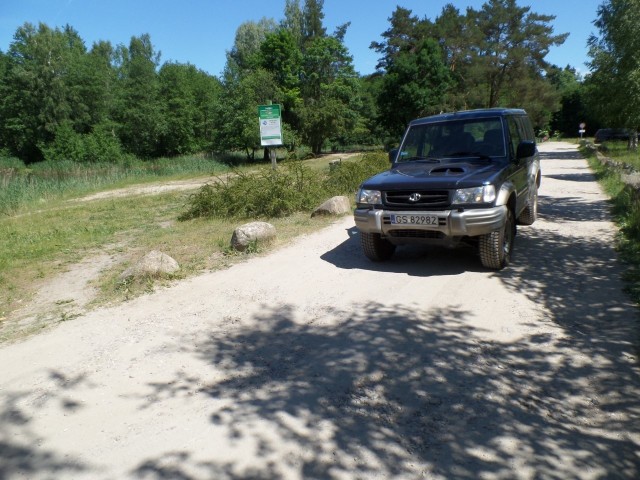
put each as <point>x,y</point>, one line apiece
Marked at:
<point>605,134</point>
<point>463,177</point>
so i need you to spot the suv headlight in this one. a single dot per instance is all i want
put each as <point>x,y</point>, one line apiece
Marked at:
<point>369,197</point>
<point>483,194</point>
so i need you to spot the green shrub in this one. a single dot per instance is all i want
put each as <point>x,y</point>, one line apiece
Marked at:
<point>266,193</point>
<point>347,177</point>
<point>292,187</point>
<point>99,146</point>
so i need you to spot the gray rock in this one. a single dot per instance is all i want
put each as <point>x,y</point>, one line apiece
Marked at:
<point>245,235</point>
<point>334,206</point>
<point>152,264</point>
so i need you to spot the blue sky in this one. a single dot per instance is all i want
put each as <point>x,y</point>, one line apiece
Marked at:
<point>200,31</point>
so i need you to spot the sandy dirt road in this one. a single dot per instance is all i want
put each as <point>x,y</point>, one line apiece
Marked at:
<point>312,362</point>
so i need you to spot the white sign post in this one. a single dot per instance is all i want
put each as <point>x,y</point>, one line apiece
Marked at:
<point>582,130</point>
<point>270,129</point>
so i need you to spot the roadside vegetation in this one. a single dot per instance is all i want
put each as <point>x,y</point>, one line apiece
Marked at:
<point>25,186</point>
<point>625,201</point>
<point>57,228</point>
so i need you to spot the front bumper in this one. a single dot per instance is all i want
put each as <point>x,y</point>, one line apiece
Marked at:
<point>451,223</point>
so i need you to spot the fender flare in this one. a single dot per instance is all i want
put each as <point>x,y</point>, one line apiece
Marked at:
<point>503,195</point>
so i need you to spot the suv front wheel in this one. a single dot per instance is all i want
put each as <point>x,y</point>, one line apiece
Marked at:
<point>530,212</point>
<point>375,247</point>
<point>495,247</point>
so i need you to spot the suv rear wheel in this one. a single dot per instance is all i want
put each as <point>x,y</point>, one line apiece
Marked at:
<point>375,247</point>
<point>495,247</point>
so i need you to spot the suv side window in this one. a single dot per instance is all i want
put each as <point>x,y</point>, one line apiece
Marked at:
<point>526,129</point>
<point>515,136</point>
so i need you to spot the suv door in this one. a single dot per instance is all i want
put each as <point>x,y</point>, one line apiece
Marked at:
<point>518,167</point>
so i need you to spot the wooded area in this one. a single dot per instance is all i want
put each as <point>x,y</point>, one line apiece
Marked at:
<point>60,100</point>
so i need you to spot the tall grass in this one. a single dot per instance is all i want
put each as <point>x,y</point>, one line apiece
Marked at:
<point>619,151</point>
<point>22,186</point>
<point>626,210</point>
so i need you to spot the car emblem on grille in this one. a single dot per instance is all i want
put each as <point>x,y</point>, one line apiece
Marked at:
<point>414,197</point>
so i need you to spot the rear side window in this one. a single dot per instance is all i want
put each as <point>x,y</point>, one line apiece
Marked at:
<point>515,135</point>
<point>526,130</point>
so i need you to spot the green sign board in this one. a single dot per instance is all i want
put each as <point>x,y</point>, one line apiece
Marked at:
<point>270,125</point>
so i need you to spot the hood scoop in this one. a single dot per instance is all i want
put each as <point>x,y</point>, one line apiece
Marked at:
<point>448,170</point>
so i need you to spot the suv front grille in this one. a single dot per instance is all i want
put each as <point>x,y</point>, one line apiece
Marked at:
<point>417,199</point>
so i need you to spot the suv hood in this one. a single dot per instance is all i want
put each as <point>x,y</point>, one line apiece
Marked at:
<point>444,175</point>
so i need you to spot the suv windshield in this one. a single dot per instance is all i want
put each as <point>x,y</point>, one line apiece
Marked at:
<point>480,137</point>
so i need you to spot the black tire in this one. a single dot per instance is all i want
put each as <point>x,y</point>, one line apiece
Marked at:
<point>530,212</point>
<point>375,247</point>
<point>496,247</point>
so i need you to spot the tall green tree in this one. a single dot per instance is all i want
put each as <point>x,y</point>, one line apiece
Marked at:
<point>99,85</point>
<point>330,91</point>
<point>178,109</point>
<point>573,110</point>
<point>495,55</point>
<point>40,88</point>
<point>404,34</point>
<point>236,119</point>
<point>614,83</point>
<point>282,56</point>
<point>369,130</point>
<point>293,21</point>
<point>139,111</point>
<point>244,56</point>
<point>457,35</point>
<point>248,81</point>
<point>189,97</point>
<point>4,92</point>
<point>313,20</point>
<point>515,42</point>
<point>415,85</point>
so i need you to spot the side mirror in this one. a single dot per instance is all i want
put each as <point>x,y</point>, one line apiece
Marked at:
<point>393,153</point>
<point>526,149</point>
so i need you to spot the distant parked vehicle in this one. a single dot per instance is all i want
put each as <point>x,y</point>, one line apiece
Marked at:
<point>605,134</point>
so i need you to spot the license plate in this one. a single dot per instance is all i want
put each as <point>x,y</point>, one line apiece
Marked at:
<point>429,220</point>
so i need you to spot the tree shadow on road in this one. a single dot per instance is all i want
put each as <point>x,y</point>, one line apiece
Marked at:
<point>20,452</point>
<point>386,391</point>
<point>391,392</point>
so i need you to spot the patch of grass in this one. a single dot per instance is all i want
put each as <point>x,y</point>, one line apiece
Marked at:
<point>22,187</point>
<point>618,151</point>
<point>44,233</point>
<point>626,211</point>
<point>197,245</point>
<point>36,245</point>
